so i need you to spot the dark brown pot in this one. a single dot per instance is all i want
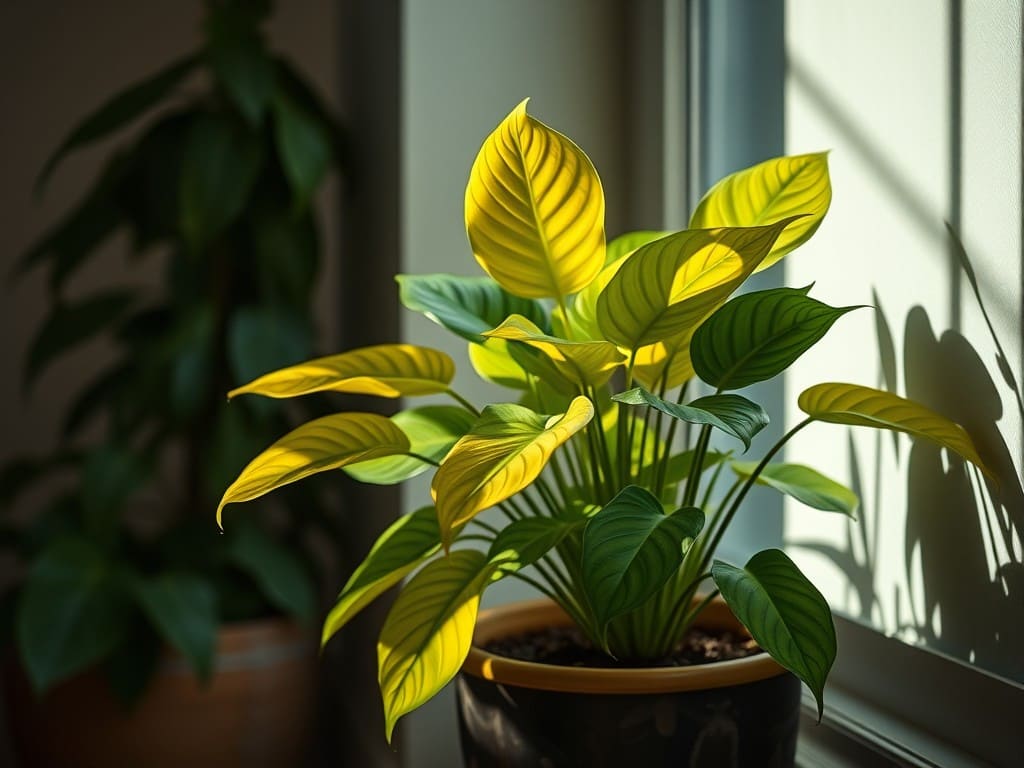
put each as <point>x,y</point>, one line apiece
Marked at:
<point>730,714</point>
<point>255,711</point>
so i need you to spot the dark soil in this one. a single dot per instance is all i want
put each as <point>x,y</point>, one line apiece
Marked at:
<point>568,647</point>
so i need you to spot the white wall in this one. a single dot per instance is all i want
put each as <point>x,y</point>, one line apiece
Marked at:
<point>920,103</point>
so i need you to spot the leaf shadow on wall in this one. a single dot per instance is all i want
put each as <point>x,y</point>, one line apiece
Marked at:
<point>963,532</point>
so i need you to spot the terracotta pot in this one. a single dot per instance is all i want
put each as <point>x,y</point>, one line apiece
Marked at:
<point>256,710</point>
<point>726,714</point>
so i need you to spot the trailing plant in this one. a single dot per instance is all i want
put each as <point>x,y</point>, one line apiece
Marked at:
<point>614,499</point>
<point>216,187</point>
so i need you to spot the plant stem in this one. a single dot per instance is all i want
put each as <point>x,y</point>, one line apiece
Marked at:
<point>462,401</point>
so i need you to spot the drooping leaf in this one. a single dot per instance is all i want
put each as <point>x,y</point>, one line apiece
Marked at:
<point>277,571</point>
<point>404,545</point>
<point>630,241</point>
<point>667,287</point>
<point>535,210</point>
<point>219,167</point>
<point>468,306</point>
<point>758,335</point>
<point>584,362</point>
<point>241,64</point>
<point>385,370</point>
<point>631,548</point>
<point>784,613</point>
<point>182,607</point>
<point>119,110</point>
<point>525,541</point>
<point>428,631</point>
<point>432,431</point>
<point>304,146</point>
<point>854,405</point>
<point>804,484</point>
<point>769,192</point>
<point>733,414</point>
<point>504,452</point>
<point>326,443</point>
<point>70,613</point>
<point>70,324</point>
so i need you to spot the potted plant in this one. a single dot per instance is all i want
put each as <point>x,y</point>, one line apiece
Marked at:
<point>129,611</point>
<point>603,469</point>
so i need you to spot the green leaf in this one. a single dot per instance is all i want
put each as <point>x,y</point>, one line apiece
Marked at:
<point>768,192</point>
<point>733,414</point>
<point>110,476</point>
<point>286,250</point>
<point>428,631</point>
<point>404,545</point>
<point>182,608</point>
<point>119,110</point>
<point>524,542</point>
<point>803,484</point>
<point>280,574</point>
<point>241,64</point>
<point>70,614</point>
<point>784,613</point>
<point>264,338</point>
<point>432,431</point>
<point>630,549</point>
<point>854,405</point>
<point>329,442</point>
<point>467,306</point>
<point>758,335</point>
<point>304,146</point>
<point>630,241</point>
<point>131,666</point>
<point>219,167</point>
<point>70,324</point>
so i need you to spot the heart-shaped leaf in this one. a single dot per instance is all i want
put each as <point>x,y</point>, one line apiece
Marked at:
<point>524,542</point>
<point>784,613</point>
<point>428,631</point>
<point>535,210</point>
<point>803,484</point>
<point>386,370</point>
<point>504,452</point>
<point>583,362</point>
<point>405,544</point>
<point>468,306</point>
<point>855,405</point>
<point>326,443</point>
<point>768,192</point>
<point>758,335</point>
<point>733,414</point>
<point>668,286</point>
<point>630,549</point>
<point>432,431</point>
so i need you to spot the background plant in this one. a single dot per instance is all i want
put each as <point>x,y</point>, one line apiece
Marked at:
<point>611,503</point>
<point>216,187</point>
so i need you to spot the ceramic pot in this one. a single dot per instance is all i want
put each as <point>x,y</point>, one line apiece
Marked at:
<point>730,714</point>
<point>256,710</point>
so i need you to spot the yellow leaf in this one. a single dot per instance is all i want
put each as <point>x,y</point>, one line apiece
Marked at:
<point>855,405</point>
<point>583,362</point>
<point>386,370</point>
<point>326,443</point>
<point>668,361</point>
<point>428,631</point>
<point>493,363</point>
<point>503,453</point>
<point>768,192</point>
<point>667,287</point>
<point>581,321</point>
<point>535,210</point>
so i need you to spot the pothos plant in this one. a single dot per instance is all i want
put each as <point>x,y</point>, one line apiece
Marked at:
<point>603,468</point>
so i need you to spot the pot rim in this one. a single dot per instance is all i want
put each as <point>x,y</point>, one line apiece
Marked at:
<point>530,614</point>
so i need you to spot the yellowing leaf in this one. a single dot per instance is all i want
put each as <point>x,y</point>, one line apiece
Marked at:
<point>668,360</point>
<point>585,362</point>
<point>493,363</point>
<point>855,405</point>
<point>581,321</point>
<point>667,287</point>
<point>503,453</point>
<point>386,370</point>
<point>768,192</point>
<point>326,443</point>
<point>535,210</point>
<point>428,631</point>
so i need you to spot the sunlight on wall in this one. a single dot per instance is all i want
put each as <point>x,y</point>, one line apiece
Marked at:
<point>920,103</point>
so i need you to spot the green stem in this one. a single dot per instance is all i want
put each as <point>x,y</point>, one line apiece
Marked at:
<point>462,401</point>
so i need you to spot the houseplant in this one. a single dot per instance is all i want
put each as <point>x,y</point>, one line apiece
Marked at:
<point>604,468</point>
<point>214,190</point>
